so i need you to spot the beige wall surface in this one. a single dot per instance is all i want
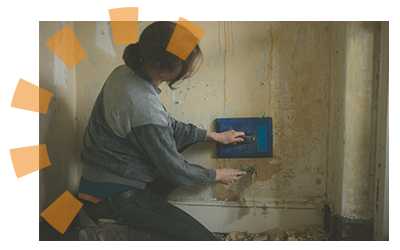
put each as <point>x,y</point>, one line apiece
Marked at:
<point>57,128</point>
<point>262,69</point>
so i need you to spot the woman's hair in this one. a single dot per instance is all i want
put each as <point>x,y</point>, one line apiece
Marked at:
<point>151,50</point>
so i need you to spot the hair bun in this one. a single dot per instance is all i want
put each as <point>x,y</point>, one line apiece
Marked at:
<point>132,56</point>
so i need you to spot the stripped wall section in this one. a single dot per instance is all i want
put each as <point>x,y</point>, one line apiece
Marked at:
<point>254,69</point>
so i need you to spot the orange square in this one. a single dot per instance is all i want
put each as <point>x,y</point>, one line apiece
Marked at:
<point>30,97</point>
<point>26,96</point>
<point>27,160</point>
<point>124,14</point>
<point>185,37</point>
<point>62,211</point>
<point>67,47</point>
<point>124,23</point>
<point>124,32</point>
<point>44,100</point>
<point>44,160</point>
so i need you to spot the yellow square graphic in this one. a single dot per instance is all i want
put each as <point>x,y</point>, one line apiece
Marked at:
<point>185,37</point>
<point>30,97</point>
<point>124,23</point>
<point>62,211</point>
<point>125,32</point>
<point>29,159</point>
<point>67,47</point>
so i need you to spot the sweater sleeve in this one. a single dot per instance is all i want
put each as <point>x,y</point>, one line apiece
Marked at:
<point>158,144</point>
<point>187,133</point>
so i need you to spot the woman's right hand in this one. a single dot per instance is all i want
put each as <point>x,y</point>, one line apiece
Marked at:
<point>228,175</point>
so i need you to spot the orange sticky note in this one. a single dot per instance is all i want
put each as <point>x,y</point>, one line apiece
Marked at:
<point>129,14</point>
<point>66,46</point>
<point>30,97</point>
<point>124,23</point>
<point>29,159</point>
<point>185,37</point>
<point>62,211</point>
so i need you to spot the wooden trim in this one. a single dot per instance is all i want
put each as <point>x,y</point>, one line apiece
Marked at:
<point>381,202</point>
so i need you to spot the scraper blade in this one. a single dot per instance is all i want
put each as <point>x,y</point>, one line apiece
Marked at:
<point>249,170</point>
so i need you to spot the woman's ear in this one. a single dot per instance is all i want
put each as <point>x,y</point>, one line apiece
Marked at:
<point>167,75</point>
<point>162,73</point>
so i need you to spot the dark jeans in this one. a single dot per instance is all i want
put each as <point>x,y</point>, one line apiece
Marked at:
<point>148,209</point>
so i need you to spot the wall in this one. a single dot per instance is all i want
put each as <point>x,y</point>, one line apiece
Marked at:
<point>352,121</point>
<point>315,79</point>
<point>102,57</point>
<point>57,128</point>
<point>272,69</point>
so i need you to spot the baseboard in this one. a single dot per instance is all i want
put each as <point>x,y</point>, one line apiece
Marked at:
<point>345,229</point>
<point>228,216</point>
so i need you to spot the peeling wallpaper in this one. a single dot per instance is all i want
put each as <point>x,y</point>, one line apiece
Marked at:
<point>262,69</point>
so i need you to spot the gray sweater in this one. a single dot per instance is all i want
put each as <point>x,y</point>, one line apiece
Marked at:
<point>130,137</point>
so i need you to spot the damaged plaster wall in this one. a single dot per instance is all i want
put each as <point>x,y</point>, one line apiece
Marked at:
<point>316,80</point>
<point>262,69</point>
<point>352,124</point>
<point>57,127</point>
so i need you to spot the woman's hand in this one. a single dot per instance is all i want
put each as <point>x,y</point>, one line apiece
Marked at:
<point>228,175</point>
<point>228,137</point>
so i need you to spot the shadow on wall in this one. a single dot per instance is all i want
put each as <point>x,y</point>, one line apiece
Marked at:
<point>337,114</point>
<point>56,133</point>
<point>57,127</point>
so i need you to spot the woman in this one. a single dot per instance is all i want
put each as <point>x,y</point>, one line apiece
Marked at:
<point>130,156</point>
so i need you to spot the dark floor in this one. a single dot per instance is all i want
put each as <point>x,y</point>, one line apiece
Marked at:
<point>74,236</point>
<point>70,236</point>
<point>118,232</point>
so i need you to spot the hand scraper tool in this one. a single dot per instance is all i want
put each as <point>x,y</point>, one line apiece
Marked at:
<point>249,170</point>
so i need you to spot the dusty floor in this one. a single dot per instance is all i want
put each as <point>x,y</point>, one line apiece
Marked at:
<point>306,233</point>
